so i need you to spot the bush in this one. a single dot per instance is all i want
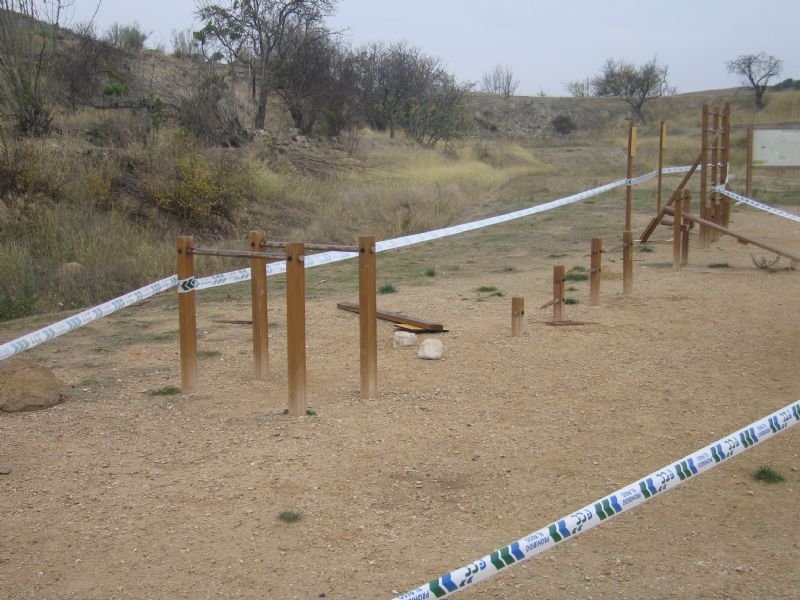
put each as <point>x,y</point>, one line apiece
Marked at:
<point>18,296</point>
<point>210,114</point>
<point>184,44</point>
<point>563,124</point>
<point>126,37</point>
<point>115,89</point>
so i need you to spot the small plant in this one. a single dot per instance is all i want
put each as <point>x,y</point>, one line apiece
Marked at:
<point>289,516</point>
<point>572,288</point>
<point>115,89</point>
<point>767,475</point>
<point>508,269</point>
<point>764,263</point>
<point>645,248</point>
<point>576,273</point>
<point>497,294</point>
<point>387,288</point>
<point>719,266</point>
<point>563,124</point>
<point>167,390</point>
<point>571,301</point>
<point>430,272</point>
<point>208,353</point>
<point>487,288</point>
<point>562,255</point>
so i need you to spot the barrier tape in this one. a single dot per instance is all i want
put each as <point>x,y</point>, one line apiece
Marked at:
<point>757,204</point>
<point>186,285</point>
<point>44,334</point>
<point>35,338</point>
<point>608,507</point>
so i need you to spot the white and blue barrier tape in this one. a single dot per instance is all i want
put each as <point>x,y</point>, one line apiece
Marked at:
<point>756,204</point>
<point>9,349</point>
<point>608,507</point>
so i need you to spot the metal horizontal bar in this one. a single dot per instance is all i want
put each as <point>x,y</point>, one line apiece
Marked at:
<point>235,253</point>
<point>318,247</point>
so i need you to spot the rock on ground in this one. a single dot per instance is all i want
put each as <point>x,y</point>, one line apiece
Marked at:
<point>403,339</point>
<point>25,385</point>
<point>431,350</point>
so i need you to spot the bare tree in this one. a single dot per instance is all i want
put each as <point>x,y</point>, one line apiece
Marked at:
<point>499,80</point>
<point>755,70</point>
<point>635,85</point>
<point>255,32</point>
<point>28,41</point>
<point>579,89</point>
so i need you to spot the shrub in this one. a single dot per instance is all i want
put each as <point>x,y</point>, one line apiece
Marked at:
<point>115,89</point>
<point>387,288</point>
<point>126,37</point>
<point>18,296</point>
<point>211,116</point>
<point>184,44</point>
<point>563,124</point>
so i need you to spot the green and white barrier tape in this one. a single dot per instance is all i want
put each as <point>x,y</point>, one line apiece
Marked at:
<point>608,507</point>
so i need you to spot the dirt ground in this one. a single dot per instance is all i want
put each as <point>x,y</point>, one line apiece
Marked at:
<point>120,493</point>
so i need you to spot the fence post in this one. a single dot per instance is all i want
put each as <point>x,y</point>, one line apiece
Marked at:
<point>687,202</point>
<point>716,205</point>
<point>367,297</point>
<point>595,271</point>
<point>629,176</point>
<point>704,212</point>
<point>296,328</point>
<point>517,312</point>
<point>187,320</point>
<point>661,139</point>
<point>627,261</point>
<point>748,188</point>
<point>726,156</point>
<point>258,290</point>
<point>677,231</point>
<point>558,293</point>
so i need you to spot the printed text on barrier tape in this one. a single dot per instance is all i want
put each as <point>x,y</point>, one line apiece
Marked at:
<point>610,506</point>
<point>35,338</point>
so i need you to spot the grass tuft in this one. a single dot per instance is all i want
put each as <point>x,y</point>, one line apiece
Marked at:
<point>289,516</point>
<point>387,288</point>
<point>719,266</point>
<point>487,288</point>
<point>167,390</point>
<point>430,272</point>
<point>767,475</point>
<point>645,248</point>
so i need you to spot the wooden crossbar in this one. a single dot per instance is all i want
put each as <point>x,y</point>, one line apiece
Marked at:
<point>394,317</point>
<point>235,253</point>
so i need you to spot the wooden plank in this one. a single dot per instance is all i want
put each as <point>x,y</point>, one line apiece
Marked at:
<point>740,238</point>
<point>367,296</point>
<point>651,227</point>
<point>394,317</point>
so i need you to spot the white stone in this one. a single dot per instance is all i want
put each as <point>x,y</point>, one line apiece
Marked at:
<point>431,350</point>
<point>403,339</point>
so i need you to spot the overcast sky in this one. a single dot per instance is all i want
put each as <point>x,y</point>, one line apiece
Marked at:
<point>545,43</point>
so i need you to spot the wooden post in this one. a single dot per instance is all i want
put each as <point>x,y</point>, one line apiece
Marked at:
<point>517,312</point>
<point>629,176</point>
<point>367,299</point>
<point>661,139</point>
<point>749,181</point>
<point>296,328</point>
<point>627,261</point>
<point>687,202</point>
<point>726,157</point>
<point>595,271</point>
<point>704,239</point>
<point>716,208</point>
<point>187,320</point>
<point>558,293</point>
<point>258,292</point>
<point>677,231</point>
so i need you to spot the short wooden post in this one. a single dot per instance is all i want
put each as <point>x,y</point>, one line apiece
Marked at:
<point>558,293</point>
<point>187,319</point>
<point>661,139</point>
<point>629,171</point>
<point>687,202</point>
<point>595,271</point>
<point>677,231</point>
<point>627,261</point>
<point>296,328</point>
<point>517,313</point>
<point>367,296</point>
<point>704,237</point>
<point>749,177</point>
<point>258,292</point>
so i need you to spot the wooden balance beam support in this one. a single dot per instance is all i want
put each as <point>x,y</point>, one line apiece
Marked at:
<point>296,328</point>
<point>367,298</point>
<point>517,314</point>
<point>558,293</point>
<point>258,292</point>
<point>627,261</point>
<point>686,228</point>
<point>595,271</point>
<point>651,227</point>
<point>187,319</point>
<point>740,238</point>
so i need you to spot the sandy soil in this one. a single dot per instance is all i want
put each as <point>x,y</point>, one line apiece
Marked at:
<point>118,493</point>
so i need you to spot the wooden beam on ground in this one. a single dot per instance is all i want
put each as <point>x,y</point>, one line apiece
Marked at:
<point>740,238</point>
<point>394,317</point>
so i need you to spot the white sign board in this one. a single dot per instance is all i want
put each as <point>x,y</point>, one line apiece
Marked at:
<point>776,147</point>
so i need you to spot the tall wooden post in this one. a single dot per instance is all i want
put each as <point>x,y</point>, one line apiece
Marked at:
<point>595,271</point>
<point>187,320</point>
<point>627,261</point>
<point>749,181</point>
<point>517,313</point>
<point>725,158</point>
<point>367,297</point>
<point>704,239</point>
<point>687,202</point>
<point>661,139</point>
<point>558,293</point>
<point>629,176</point>
<point>296,328</point>
<point>258,292</point>
<point>677,231</point>
<point>715,171</point>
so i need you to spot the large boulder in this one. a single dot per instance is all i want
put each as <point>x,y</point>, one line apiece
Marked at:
<point>24,385</point>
